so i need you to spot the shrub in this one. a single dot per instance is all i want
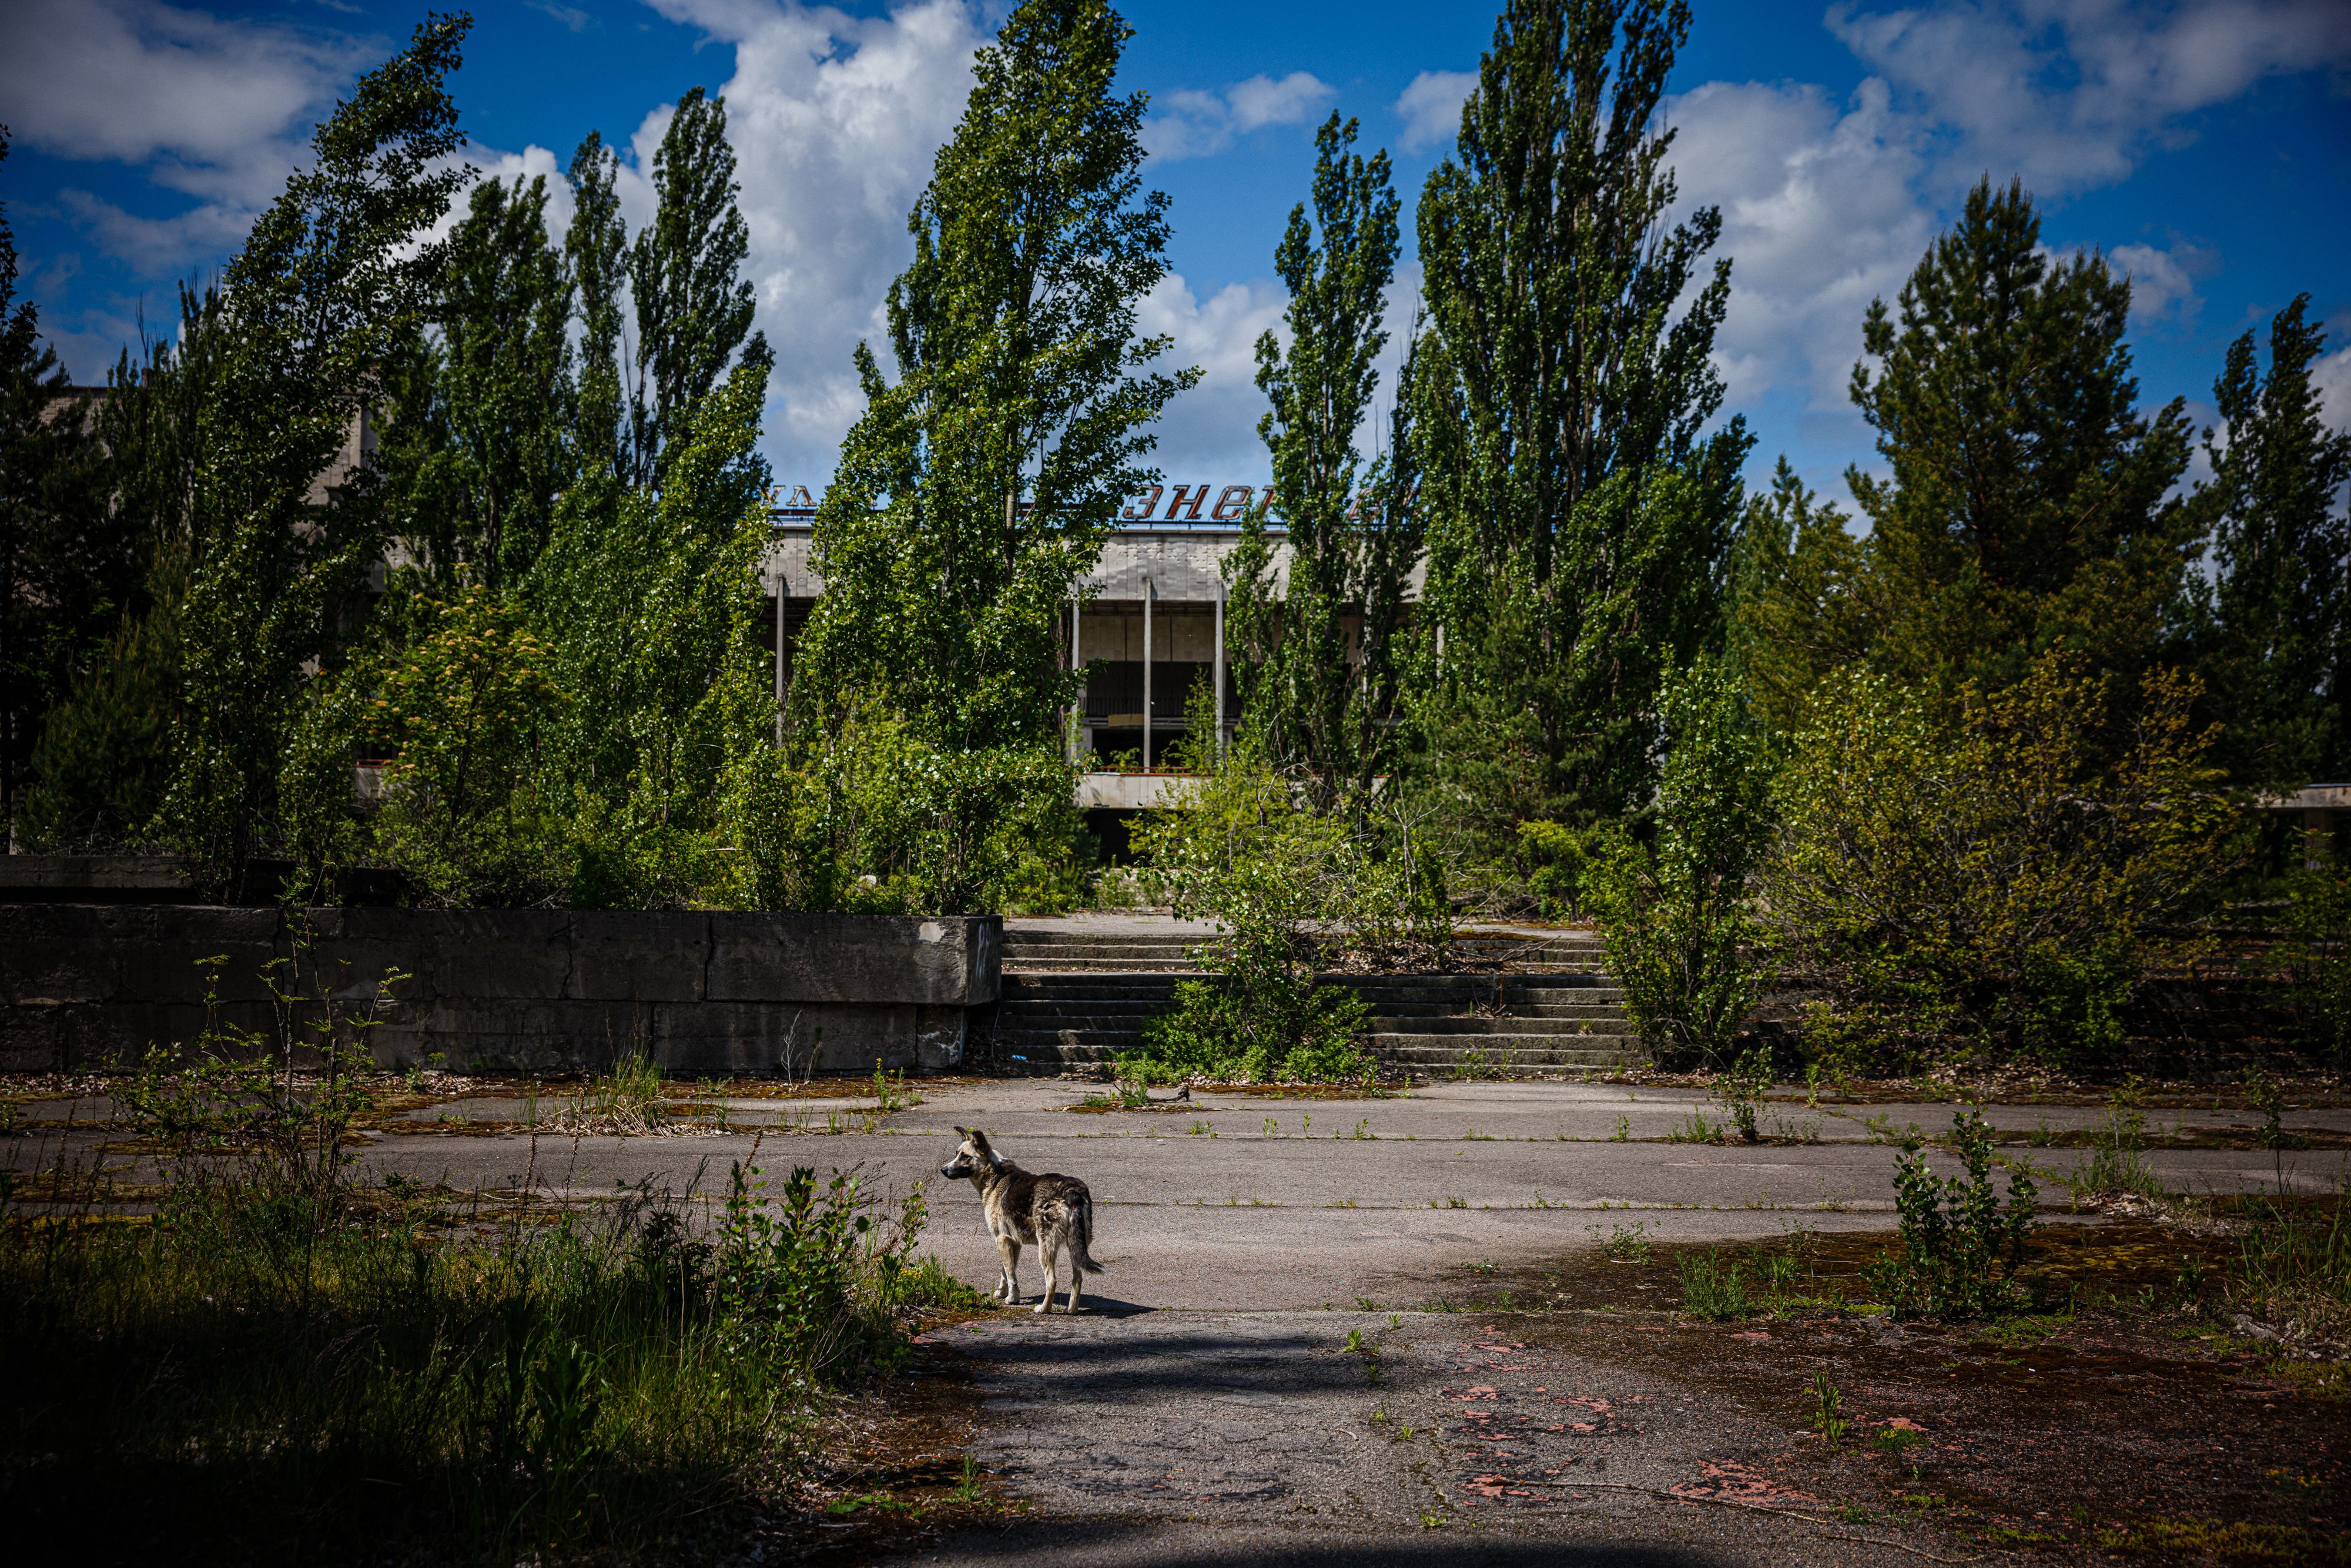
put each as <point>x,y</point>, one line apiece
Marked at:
<point>1961,1246</point>
<point>2003,882</point>
<point>1246,852</point>
<point>1714,1288</point>
<point>1676,914</point>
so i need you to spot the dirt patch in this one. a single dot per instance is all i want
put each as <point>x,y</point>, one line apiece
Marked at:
<point>2131,1416</point>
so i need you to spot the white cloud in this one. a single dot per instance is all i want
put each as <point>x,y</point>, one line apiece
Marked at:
<point>2070,93</point>
<point>1430,108</point>
<point>2332,376</point>
<point>835,120</point>
<point>2163,282</point>
<point>1819,215</point>
<point>1192,124</point>
<point>571,16</point>
<point>221,109</point>
<point>1211,433</point>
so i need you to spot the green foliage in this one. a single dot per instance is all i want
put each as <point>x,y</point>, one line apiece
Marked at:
<point>2280,590</point>
<point>2117,1166</point>
<point>1678,912</point>
<point>104,761</point>
<point>2293,1264</point>
<point>1960,1245</point>
<point>2027,506</point>
<point>468,811</point>
<point>314,307</point>
<point>2003,884</point>
<point>476,447</point>
<point>68,565</point>
<point>1715,1288</point>
<point>1578,524</point>
<point>1554,860</point>
<point>974,494</point>
<point>1741,1086</point>
<point>1793,610</point>
<point>1350,550</point>
<point>692,309</point>
<point>1249,854</point>
<point>2308,966</point>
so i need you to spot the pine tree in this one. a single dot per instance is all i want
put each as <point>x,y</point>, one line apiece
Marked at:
<point>1326,693</point>
<point>2027,505</point>
<point>2280,599</point>
<point>976,490</point>
<point>1578,521</point>
<point>68,569</point>
<point>692,309</point>
<point>327,288</point>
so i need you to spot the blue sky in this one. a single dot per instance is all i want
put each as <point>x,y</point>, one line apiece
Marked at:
<point>2204,145</point>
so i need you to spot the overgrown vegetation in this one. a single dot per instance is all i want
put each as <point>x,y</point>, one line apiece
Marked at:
<point>284,1361</point>
<point>1959,1245</point>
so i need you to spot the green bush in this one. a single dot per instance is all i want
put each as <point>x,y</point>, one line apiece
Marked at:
<point>1961,1246</point>
<point>2001,884</point>
<point>1248,853</point>
<point>1676,914</point>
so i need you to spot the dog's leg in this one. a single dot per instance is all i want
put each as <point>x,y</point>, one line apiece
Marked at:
<point>1009,1290</point>
<point>1045,1251</point>
<point>1077,1274</point>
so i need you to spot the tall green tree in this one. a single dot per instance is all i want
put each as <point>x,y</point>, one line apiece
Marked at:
<point>1342,608</point>
<point>66,569</point>
<point>692,307</point>
<point>977,489</point>
<point>1579,520</point>
<point>2281,592</point>
<point>480,446</point>
<point>2027,506</point>
<point>327,288</point>
<point>596,249</point>
<point>1794,610</point>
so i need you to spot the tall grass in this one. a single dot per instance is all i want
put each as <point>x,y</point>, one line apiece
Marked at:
<point>2293,1265</point>
<point>282,1382</point>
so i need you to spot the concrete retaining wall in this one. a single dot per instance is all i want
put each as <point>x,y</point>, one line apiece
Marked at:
<point>88,986</point>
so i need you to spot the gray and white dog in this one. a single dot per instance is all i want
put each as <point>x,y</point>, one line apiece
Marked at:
<point>1054,1214</point>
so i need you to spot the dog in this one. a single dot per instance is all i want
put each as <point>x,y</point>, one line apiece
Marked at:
<point>1054,1214</point>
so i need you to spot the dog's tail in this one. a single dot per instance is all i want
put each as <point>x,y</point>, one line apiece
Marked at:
<point>1082,1235</point>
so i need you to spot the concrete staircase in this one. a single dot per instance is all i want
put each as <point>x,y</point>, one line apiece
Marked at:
<point>1076,1002</point>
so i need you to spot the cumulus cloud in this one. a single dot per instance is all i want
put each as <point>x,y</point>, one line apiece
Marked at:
<point>1211,433</point>
<point>2163,282</point>
<point>1193,124</point>
<point>221,109</point>
<point>1819,215</point>
<point>835,120</point>
<point>2332,376</point>
<point>1430,108</point>
<point>2071,93</point>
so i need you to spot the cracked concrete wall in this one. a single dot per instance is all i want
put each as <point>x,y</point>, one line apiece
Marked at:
<point>92,986</point>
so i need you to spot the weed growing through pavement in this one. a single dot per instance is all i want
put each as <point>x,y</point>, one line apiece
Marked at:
<point>1897,1441</point>
<point>2269,1098</point>
<point>1715,1289</point>
<point>2116,1167</point>
<point>1623,1132</point>
<point>1741,1087</point>
<point>1627,1243</point>
<point>1199,1128</point>
<point>1363,1130</point>
<point>1828,1409</point>
<point>1960,1245</point>
<point>1272,1128</point>
<point>1696,1129</point>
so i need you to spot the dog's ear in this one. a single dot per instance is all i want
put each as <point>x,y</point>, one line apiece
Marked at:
<point>961,1133</point>
<point>978,1140</point>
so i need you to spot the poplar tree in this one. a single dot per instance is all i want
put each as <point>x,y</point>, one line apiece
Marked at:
<point>1348,553</point>
<point>595,248</point>
<point>481,447</point>
<point>1794,610</point>
<point>327,286</point>
<point>976,491</point>
<point>2281,602</point>
<point>692,309</point>
<point>2027,505</point>
<point>1579,520</point>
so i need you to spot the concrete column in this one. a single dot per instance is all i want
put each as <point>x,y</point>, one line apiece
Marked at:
<point>1077,663</point>
<point>779,659</point>
<point>1220,666</point>
<point>1147,597</point>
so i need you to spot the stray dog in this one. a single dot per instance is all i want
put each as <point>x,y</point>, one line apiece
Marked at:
<point>1054,1214</point>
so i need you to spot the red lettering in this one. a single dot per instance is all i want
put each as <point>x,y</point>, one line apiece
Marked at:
<point>1232,504</point>
<point>1136,514</point>
<point>1197,501</point>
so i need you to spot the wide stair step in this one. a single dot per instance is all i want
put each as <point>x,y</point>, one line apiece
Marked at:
<point>1053,1019</point>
